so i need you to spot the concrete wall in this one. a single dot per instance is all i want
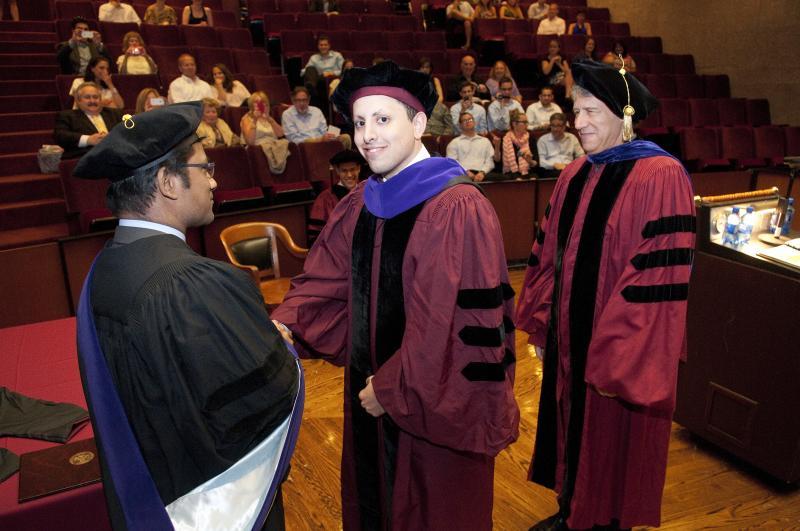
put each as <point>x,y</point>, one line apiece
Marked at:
<point>755,42</point>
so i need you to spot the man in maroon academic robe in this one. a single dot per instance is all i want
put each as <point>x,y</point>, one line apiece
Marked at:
<point>347,165</point>
<point>605,295</point>
<point>407,287</point>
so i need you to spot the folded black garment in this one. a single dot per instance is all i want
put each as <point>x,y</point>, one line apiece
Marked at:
<point>9,464</point>
<point>23,416</point>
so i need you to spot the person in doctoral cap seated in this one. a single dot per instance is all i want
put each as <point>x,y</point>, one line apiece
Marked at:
<point>347,164</point>
<point>198,408</point>
<point>604,302</point>
<point>414,258</point>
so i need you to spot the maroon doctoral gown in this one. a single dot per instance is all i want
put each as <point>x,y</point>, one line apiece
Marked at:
<point>605,291</point>
<point>428,313</point>
<point>322,208</point>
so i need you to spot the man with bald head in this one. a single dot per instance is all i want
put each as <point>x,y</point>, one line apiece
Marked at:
<point>189,87</point>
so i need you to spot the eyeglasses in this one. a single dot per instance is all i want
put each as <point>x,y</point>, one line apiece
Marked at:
<point>208,167</point>
<point>467,120</point>
<point>521,122</point>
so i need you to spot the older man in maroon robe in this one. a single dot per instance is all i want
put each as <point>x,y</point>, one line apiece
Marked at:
<point>605,295</point>
<point>407,287</point>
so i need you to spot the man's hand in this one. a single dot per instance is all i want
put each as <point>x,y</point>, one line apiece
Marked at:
<point>95,139</point>
<point>478,177</point>
<point>97,39</point>
<point>284,330</point>
<point>559,166</point>
<point>369,401</point>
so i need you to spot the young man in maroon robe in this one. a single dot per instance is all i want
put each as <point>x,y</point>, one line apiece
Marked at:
<point>605,295</point>
<point>407,287</point>
<point>347,165</point>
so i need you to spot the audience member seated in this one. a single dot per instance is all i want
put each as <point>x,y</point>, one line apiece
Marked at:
<point>467,103</point>
<point>538,10</point>
<point>99,72</point>
<point>148,99</point>
<point>485,9</point>
<point>78,130</point>
<point>189,87</point>
<point>555,68</point>
<point>260,129</point>
<point>589,52</point>
<point>499,72</point>
<point>324,64</point>
<point>330,7</point>
<point>510,9</point>
<point>347,166</point>
<point>116,11</point>
<point>613,57</point>
<point>580,26</point>
<point>517,154</point>
<point>552,24</point>
<point>134,58</point>
<point>474,152</point>
<point>501,107</point>
<point>468,67</point>
<point>213,130</point>
<point>305,123</point>
<point>74,55</point>
<point>160,14</point>
<point>13,9</point>
<point>558,147</point>
<point>230,92</point>
<point>196,14</point>
<point>539,113</point>
<point>347,65</point>
<point>460,13</point>
<point>426,66</point>
<point>440,122</point>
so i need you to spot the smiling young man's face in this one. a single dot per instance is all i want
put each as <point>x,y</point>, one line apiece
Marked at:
<point>385,135</point>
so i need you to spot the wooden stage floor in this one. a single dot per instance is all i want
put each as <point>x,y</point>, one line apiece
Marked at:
<point>704,488</point>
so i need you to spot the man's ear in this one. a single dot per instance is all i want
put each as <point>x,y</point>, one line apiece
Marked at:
<point>420,122</point>
<point>167,184</point>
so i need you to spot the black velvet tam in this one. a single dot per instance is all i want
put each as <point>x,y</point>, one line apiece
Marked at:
<point>346,155</point>
<point>606,84</point>
<point>141,140</point>
<point>386,74</point>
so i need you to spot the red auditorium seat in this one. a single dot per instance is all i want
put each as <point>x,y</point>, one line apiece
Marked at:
<point>63,84</point>
<point>758,112</point>
<point>429,40</point>
<point>86,198</point>
<point>399,40</point>
<point>770,144</point>
<point>225,19</point>
<point>403,58</point>
<point>315,157</point>
<point>258,7</point>
<point>700,149</point>
<point>792,135</point>
<point>253,62</point>
<point>662,86</point>
<point>166,57</point>
<point>276,87</point>
<point>703,112</point>
<point>344,21</point>
<point>69,10</point>
<point>293,6</point>
<point>291,180</point>
<point>274,23</point>
<point>405,23</point>
<point>362,41</point>
<point>642,64</point>
<point>295,42</point>
<point>598,13</point>
<point>717,86</point>
<point>651,125</point>
<point>235,38</point>
<point>650,44</point>
<point>732,111</point>
<point>206,58</point>
<point>574,44</point>
<point>232,173</point>
<point>520,46</point>
<point>233,117</point>
<point>543,42</point>
<point>351,6</point>
<point>674,113</point>
<point>361,59</point>
<point>738,146</point>
<point>659,63</point>
<point>689,86</point>
<point>444,140</point>
<point>634,45</point>
<point>113,32</point>
<point>129,86</point>
<point>198,36</point>
<point>340,40</point>
<point>683,63</point>
<point>155,35</point>
<point>619,29</point>
<point>377,22</point>
<point>431,143</point>
<point>516,26</point>
<point>313,21</point>
<point>600,27</point>
<point>379,7</point>
<point>489,29</point>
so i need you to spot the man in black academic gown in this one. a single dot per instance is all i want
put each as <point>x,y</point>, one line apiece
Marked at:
<point>202,374</point>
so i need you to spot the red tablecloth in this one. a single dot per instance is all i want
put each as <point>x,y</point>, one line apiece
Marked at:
<point>40,360</point>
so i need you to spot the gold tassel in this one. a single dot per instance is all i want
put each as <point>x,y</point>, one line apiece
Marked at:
<point>627,123</point>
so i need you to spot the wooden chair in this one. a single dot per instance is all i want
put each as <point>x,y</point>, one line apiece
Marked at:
<point>253,248</point>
